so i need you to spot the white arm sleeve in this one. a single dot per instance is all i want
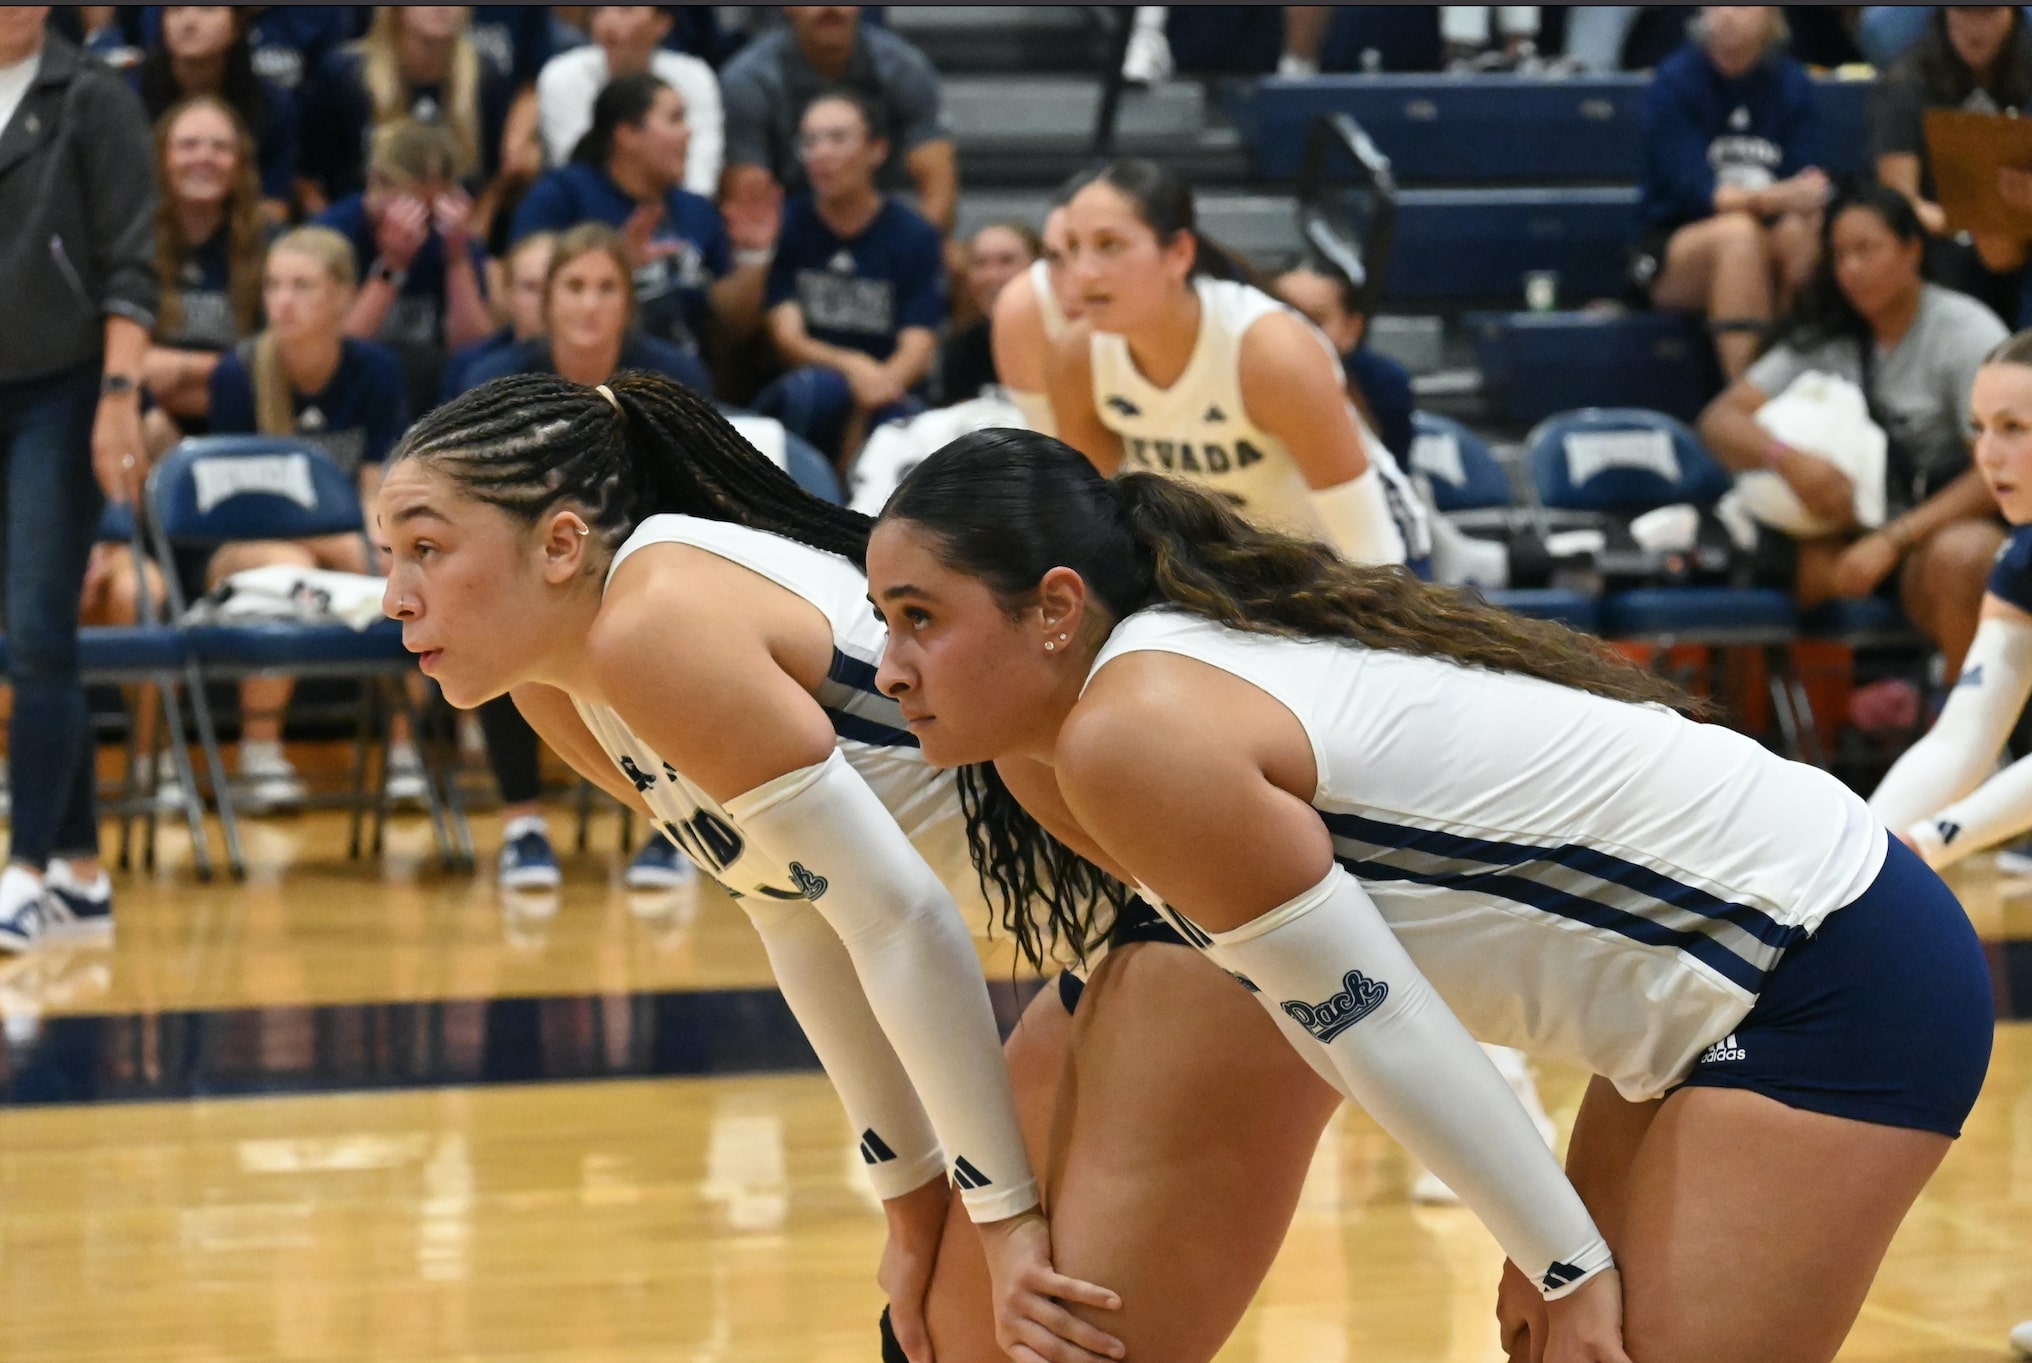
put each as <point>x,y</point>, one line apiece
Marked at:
<point>817,977</point>
<point>1335,969</point>
<point>915,961</point>
<point>1963,744</point>
<point>1358,520</point>
<point>2000,808</point>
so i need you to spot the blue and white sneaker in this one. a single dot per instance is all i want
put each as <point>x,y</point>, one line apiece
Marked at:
<point>528,862</point>
<point>23,910</point>
<point>659,866</point>
<point>74,908</point>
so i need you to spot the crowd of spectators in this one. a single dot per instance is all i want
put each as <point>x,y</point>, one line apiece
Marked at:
<point>361,212</point>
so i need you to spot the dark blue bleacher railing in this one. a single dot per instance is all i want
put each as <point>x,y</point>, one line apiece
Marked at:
<point>1496,129</point>
<point>1499,175</point>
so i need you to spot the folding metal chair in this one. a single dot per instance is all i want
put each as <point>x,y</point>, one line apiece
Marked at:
<point>219,490</point>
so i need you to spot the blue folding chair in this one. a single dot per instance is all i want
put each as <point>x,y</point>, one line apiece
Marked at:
<point>1456,464</point>
<point>154,653</point>
<point>1623,461</point>
<point>1461,473</point>
<point>219,490</point>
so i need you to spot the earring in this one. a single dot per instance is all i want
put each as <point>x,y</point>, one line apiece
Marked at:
<point>1048,645</point>
<point>1061,638</point>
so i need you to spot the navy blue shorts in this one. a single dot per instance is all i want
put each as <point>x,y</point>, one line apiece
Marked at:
<point>1884,1015</point>
<point>1138,923</point>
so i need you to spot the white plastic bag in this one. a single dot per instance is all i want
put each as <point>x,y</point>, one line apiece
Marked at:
<point>1826,416</point>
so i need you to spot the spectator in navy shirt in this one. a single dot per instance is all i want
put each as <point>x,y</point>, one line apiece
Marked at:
<point>522,278</point>
<point>628,172</point>
<point>209,245</point>
<point>204,50</point>
<point>423,290</point>
<point>588,308</point>
<point>1732,190</point>
<point>857,289</point>
<point>1379,386</point>
<point>304,377</point>
<point>415,62</point>
<point>823,47</point>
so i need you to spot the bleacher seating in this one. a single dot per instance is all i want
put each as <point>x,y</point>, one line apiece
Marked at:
<point>1439,129</point>
<point>1531,174</point>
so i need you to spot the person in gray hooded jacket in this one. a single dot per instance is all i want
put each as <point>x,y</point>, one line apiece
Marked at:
<point>77,197</point>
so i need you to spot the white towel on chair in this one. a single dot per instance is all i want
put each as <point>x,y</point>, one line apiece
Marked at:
<point>282,592</point>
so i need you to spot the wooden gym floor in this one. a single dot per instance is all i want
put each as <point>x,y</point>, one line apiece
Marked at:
<point>351,1112</point>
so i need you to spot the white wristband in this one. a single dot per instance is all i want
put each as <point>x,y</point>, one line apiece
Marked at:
<point>1357,518</point>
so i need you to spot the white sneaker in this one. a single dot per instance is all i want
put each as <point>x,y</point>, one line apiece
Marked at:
<point>169,791</point>
<point>76,908</point>
<point>2021,1341</point>
<point>405,783</point>
<point>23,910</point>
<point>1148,58</point>
<point>267,780</point>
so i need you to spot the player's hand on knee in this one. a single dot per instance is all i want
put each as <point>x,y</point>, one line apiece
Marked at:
<point>1586,1325</point>
<point>1520,1317</point>
<point>1032,1324</point>
<point>916,1224</point>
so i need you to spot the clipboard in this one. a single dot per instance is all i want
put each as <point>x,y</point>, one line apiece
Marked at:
<point>1967,151</point>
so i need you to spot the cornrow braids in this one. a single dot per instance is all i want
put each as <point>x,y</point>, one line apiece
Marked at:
<point>527,442</point>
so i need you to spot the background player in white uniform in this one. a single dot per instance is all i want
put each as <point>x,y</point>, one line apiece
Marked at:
<point>1034,310</point>
<point>1788,1014</point>
<point>529,556</point>
<point>1174,371</point>
<point>1936,797</point>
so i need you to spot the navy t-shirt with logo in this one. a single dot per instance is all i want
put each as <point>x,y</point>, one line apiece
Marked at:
<point>1703,130</point>
<point>356,419</point>
<point>670,292</point>
<point>2011,577</point>
<point>859,293</point>
<point>417,315</point>
<point>204,317</point>
<point>338,121</point>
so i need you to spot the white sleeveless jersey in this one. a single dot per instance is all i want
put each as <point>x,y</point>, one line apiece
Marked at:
<point>1597,882</point>
<point>872,736</point>
<point>1199,431</point>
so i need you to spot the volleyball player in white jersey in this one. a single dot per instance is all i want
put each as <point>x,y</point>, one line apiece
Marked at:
<point>1032,312</point>
<point>1788,1015</point>
<point>715,670</point>
<point>1173,371</point>
<point>705,668</point>
<point>1944,797</point>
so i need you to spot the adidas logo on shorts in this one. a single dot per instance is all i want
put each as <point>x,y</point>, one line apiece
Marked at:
<point>1724,1050</point>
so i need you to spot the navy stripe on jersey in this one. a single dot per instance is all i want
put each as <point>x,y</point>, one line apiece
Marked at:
<point>857,709</point>
<point>1738,941</point>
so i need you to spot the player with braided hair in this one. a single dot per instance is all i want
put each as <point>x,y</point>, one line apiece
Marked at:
<point>691,631</point>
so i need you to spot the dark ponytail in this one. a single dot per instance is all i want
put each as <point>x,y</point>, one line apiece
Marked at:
<point>527,442</point>
<point>623,100</point>
<point>1006,506</point>
<point>1047,894</point>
